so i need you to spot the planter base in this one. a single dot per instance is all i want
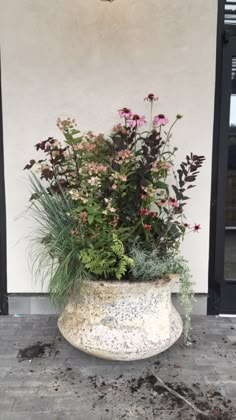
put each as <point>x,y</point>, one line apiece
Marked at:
<point>121,320</point>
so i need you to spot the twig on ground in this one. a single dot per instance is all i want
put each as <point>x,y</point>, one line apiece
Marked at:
<point>177,395</point>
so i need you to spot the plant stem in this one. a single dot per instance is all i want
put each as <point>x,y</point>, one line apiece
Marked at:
<point>151,113</point>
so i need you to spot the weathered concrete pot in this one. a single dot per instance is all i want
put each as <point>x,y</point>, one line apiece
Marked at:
<point>122,320</point>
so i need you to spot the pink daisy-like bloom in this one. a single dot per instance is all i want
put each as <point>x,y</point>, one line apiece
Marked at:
<point>114,187</point>
<point>160,120</point>
<point>125,113</point>
<point>137,121</point>
<point>153,214</point>
<point>151,97</point>
<point>196,227</point>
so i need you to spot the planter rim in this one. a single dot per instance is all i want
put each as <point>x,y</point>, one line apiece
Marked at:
<point>166,280</point>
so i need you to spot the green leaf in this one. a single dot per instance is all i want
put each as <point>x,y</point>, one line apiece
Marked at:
<point>162,185</point>
<point>79,209</point>
<point>90,219</point>
<point>74,132</point>
<point>92,210</point>
<point>98,219</point>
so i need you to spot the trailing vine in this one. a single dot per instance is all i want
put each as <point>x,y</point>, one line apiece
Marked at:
<point>149,265</point>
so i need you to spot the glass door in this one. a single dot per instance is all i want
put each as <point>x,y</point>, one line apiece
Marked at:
<point>230,199</point>
<point>225,255</point>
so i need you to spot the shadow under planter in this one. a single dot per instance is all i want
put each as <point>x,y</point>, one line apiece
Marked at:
<point>122,320</point>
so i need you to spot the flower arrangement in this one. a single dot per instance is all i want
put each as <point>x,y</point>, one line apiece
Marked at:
<point>105,208</point>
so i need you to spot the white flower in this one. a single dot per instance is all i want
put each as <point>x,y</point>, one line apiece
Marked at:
<point>94,180</point>
<point>74,194</point>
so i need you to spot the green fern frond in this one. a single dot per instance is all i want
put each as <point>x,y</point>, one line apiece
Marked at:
<point>107,262</point>
<point>117,247</point>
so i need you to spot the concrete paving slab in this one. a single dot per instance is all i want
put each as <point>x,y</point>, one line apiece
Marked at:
<point>64,383</point>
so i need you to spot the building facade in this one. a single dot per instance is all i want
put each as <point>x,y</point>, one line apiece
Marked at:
<point>86,60</point>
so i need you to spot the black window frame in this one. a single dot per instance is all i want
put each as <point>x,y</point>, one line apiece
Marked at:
<point>221,294</point>
<point>3,240</point>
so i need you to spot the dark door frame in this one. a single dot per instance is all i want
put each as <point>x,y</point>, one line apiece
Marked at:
<point>3,256</point>
<point>219,290</point>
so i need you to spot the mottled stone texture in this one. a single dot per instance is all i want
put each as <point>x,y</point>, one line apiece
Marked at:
<point>122,320</point>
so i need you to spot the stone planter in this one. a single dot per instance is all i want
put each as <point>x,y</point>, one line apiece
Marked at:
<point>122,320</point>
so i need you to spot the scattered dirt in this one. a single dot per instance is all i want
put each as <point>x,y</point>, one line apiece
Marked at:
<point>157,363</point>
<point>34,351</point>
<point>144,389</point>
<point>210,402</point>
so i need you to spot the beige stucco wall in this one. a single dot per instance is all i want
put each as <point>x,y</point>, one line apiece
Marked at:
<point>87,58</point>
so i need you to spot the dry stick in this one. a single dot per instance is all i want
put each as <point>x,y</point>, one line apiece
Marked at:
<point>176,394</point>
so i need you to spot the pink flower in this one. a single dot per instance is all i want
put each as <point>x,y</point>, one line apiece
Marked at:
<point>143,196</point>
<point>187,225</point>
<point>144,212</point>
<point>157,165</point>
<point>160,120</point>
<point>64,125</point>
<point>75,231</point>
<point>123,178</point>
<point>153,214</point>
<point>114,187</point>
<point>137,121</point>
<point>147,227</point>
<point>83,216</point>
<point>196,227</point>
<point>90,146</point>
<point>125,155</point>
<point>173,203</point>
<point>161,203</point>
<point>151,97</point>
<point>125,113</point>
<point>114,222</point>
<point>165,165</point>
<point>78,146</point>
<point>95,168</point>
